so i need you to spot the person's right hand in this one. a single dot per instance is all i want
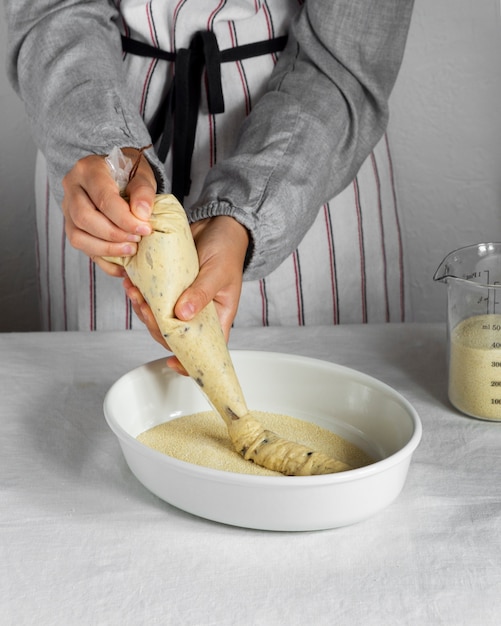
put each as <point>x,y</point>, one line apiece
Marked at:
<point>98,221</point>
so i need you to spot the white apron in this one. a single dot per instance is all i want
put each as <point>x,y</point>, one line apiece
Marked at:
<point>349,267</point>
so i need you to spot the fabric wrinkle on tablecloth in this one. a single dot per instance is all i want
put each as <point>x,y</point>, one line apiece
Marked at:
<point>82,542</point>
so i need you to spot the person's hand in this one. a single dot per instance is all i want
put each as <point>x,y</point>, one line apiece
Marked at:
<point>98,221</point>
<point>221,245</point>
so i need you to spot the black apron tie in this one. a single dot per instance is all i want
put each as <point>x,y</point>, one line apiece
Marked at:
<point>176,119</point>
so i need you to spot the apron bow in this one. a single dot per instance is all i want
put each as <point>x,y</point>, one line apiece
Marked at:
<point>176,119</point>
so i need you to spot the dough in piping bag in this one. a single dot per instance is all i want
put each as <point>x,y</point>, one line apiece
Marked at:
<point>165,265</point>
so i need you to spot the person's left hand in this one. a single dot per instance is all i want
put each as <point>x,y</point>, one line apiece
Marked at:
<point>221,245</point>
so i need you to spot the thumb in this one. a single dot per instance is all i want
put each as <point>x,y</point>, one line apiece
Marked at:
<point>206,289</point>
<point>193,300</point>
<point>142,188</point>
<point>141,198</point>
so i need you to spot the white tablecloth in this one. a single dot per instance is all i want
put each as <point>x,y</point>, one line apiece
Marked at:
<point>83,542</point>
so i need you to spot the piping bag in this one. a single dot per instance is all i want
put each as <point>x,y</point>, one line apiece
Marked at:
<point>165,265</point>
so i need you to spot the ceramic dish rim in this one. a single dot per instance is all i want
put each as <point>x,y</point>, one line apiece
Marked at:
<point>205,473</point>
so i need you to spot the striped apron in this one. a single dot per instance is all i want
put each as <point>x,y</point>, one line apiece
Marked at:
<point>349,268</point>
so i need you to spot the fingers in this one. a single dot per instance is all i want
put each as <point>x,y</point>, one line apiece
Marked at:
<point>144,314</point>
<point>142,310</point>
<point>205,289</point>
<point>91,232</point>
<point>110,268</point>
<point>142,188</point>
<point>98,221</point>
<point>222,245</point>
<point>89,187</point>
<point>175,364</point>
<point>208,287</point>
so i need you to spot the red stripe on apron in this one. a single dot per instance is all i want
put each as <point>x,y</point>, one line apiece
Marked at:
<point>381,230</point>
<point>332,264</point>
<point>399,230</point>
<point>363,277</point>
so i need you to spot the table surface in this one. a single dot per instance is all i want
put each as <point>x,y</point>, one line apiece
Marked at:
<point>83,542</point>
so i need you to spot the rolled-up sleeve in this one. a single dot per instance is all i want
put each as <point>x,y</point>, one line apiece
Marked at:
<point>325,108</point>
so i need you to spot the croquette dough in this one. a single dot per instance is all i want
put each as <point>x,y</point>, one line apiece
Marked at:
<point>166,263</point>
<point>202,439</point>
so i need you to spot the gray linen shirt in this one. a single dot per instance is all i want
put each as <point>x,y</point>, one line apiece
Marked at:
<point>325,108</point>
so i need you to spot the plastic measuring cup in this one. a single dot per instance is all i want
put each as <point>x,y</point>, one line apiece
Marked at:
<point>473,278</point>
